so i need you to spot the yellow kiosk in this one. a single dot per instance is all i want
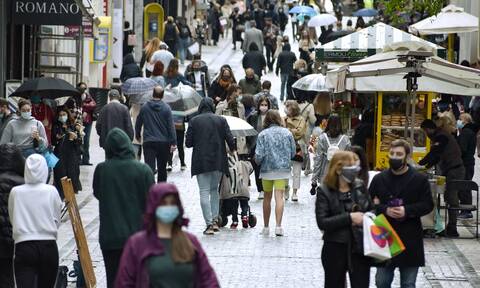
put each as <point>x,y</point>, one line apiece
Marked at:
<point>153,21</point>
<point>100,47</point>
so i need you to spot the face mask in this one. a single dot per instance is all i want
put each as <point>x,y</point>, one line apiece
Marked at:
<point>26,115</point>
<point>349,173</point>
<point>84,96</point>
<point>36,99</point>
<point>250,78</point>
<point>63,119</point>
<point>396,163</point>
<point>263,109</point>
<point>460,124</point>
<point>167,214</point>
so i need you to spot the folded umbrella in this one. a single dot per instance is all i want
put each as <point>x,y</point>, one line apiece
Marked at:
<point>138,86</point>
<point>183,100</point>
<point>312,82</point>
<point>46,87</point>
<point>240,127</point>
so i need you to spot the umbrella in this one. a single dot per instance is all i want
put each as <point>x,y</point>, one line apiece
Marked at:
<point>46,87</point>
<point>183,100</point>
<point>312,82</point>
<point>140,98</point>
<point>366,12</point>
<point>337,34</point>
<point>138,85</point>
<point>240,127</point>
<point>302,10</point>
<point>322,20</point>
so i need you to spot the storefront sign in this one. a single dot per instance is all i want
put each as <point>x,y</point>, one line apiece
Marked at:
<point>46,12</point>
<point>74,30</point>
<point>342,55</point>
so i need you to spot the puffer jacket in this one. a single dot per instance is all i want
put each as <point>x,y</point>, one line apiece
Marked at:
<point>11,175</point>
<point>275,149</point>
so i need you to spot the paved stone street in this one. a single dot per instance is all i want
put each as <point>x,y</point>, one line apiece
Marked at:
<point>244,258</point>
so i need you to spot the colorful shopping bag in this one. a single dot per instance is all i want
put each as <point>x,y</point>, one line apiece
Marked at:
<point>395,243</point>
<point>375,242</point>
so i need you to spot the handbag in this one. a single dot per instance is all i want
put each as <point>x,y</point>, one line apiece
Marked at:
<point>395,244</point>
<point>375,239</point>
<point>132,40</point>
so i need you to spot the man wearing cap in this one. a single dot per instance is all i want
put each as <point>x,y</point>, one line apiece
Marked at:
<point>112,115</point>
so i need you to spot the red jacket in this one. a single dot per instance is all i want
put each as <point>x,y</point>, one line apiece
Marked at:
<point>88,107</point>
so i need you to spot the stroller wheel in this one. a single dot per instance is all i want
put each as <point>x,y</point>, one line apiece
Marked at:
<point>252,220</point>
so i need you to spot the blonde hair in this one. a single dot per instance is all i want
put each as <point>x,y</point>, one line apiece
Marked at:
<point>339,159</point>
<point>293,105</point>
<point>322,104</point>
<point>152,46</point>
<point>466,117</point>
<point>299,63</point>
<point>446,122</point>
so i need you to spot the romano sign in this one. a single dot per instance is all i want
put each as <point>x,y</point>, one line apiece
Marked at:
<point>46,12</point>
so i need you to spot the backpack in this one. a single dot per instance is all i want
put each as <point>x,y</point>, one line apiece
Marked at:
<point>184,32</point>
<point>332,149</point>
<point>170,33</point>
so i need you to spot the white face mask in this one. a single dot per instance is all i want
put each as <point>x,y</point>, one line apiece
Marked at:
<point>263,109</point>
<point>84,96</point>
<point>63,119</point>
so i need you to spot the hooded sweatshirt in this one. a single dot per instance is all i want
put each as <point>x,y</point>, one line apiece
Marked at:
<point>121,185</point>
<point>129,69</point>
<point>19,132</point>
<point>34,207</point>
<point>157,121</point>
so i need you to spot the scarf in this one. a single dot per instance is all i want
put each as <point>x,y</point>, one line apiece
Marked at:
<point>224,83</point>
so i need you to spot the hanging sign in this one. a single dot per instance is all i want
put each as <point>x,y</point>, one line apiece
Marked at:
<point>46,12</point>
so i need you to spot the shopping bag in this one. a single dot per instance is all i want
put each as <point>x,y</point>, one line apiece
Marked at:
<point>375,243</point>
<point>395,243</point>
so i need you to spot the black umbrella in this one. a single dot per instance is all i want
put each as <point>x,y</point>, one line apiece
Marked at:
<point>46,87</point>
<point>336,34</point>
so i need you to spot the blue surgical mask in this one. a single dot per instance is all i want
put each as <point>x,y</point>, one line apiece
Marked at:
<point>167,213</point>
<point>460,124</point>
<point>36,99</point>
<point>26,115</point>
<point>63,118</point>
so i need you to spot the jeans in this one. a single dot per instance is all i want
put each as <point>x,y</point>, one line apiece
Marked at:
<point>156,155</point>
<point>36,263</point>
<point>182,48</point>
<point>283,87</point>
<point>111,259</point>
<point>86,144</point>
<point>384,277</point>
<point>181,151</point>
<point>209,198</point>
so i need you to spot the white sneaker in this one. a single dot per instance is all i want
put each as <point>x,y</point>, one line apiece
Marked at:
<point>260,195</point>
<point>294,197</point>
<point>265,231</point>
<point>279,231</point>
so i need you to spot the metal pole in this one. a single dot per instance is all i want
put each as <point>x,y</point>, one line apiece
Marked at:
<point>3,48</point>
<point>23,53</point>
<point>407,112</point>
<point>412,131</point>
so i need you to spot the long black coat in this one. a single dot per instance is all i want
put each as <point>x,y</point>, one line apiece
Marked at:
<point>254,60</point>
<point>413,188</point>
<point>207,134</point>
<point>216,90</point>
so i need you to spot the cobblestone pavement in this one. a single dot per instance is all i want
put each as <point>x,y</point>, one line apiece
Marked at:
<point>244,258</point>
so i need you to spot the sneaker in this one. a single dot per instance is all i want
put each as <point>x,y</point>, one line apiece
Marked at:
<point>209,230</point>
<point>215,227</point>
<point>294,197</point>
<point>169,168</point>
<point>245,221</point>
<point>278,231</point>
<point>183,167</point>
<point>287,193</point>
<point>234,225</point>
<point>465,215</point>
<point>261,195</point>
<point>265,231</point>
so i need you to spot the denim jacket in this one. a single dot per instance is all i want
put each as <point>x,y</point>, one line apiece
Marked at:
<point>275,149</point>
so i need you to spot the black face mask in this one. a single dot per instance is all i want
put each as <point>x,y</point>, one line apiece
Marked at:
<point>396,163</point>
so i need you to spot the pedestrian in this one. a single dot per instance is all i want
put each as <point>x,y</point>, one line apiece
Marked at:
<point>152,46</point>
<point>198,76</point>
<point>127,44</point>
<point>274,151</point>
<point>253,35</point>
<point>299,71</point>
<point>161,55</point>
<point>266,86</point>
<point>238,27</point>
<point>218,89</point>
<point>184,38</point>
<point>332,140</point>
<point>251,83</point>
<point>25,132</point>
<point>270,33</point>
<point>121,185</point>
<point>307,111</point>
<point>162,254</point>
<point>231,106</point>
<point>362,162</point>
<point>179,122</point>
<point>257,120</point>
<point>350,26</point>
<point>255,60</point>
<point>270,13</point>
<point>172,77</point>
<point>364,130</point>
<point>171,35</point>
<point>130,69</point>
<point>285,62</point>
<point>360,24</point>
<point>305,46</point>
<point>34,209</point>
<point>67,141</point>
<point>322,105</point>
<point>45,114</point>
<point>112,115</point>
<point>467,141</point>
<point>88,109</point>
<point>282,19</point>
<point>297,125</point>
<point>12,165</point>
<point>294,20</point>
<point>207,134</point>
<point>159,138</point>
<point>214,23</point>
<point>259,16</point>
<point>403,195</point>
<point>157,74</point>
<point>249,103</point>
<point>6,115</point>
<point>341,201</point>
<point>445,152</point>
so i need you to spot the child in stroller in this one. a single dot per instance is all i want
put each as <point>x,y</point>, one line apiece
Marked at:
<point>233,191</point>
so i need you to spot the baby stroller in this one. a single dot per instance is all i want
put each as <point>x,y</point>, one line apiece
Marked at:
<point>233,191</point>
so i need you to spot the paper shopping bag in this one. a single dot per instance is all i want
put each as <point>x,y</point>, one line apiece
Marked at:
<point>395,243</point>
<point>375,243</point>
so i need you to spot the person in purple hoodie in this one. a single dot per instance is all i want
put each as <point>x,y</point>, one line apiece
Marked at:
<point>163,255</point>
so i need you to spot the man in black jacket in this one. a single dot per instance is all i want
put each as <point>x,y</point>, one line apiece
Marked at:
<point>207,134</point>
<point>285,62</point>
<point>254,59</point>
<point>445,152</point>
<point>403,195</point>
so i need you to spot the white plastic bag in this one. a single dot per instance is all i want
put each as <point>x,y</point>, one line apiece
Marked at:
<point>375,242</point>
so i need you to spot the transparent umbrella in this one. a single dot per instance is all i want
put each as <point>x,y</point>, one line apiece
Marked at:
<point>183,100</point>
<point>240,127</point>
<point>312,82</point>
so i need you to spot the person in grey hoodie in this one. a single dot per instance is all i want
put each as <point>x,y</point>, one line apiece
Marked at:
<point>34,209</point>
<point>159,137</point>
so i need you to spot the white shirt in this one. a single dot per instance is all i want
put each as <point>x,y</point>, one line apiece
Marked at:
<point>160,55</point>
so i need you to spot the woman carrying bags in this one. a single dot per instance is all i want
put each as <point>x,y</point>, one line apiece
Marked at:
<point>341,201</point>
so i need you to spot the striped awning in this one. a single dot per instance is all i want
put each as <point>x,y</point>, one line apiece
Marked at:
<point>367,42</point>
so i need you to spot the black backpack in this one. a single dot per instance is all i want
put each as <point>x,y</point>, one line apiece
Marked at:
<point>184,32</point>
<point>170,33</point>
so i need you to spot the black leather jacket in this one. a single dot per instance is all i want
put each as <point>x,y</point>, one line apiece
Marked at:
<point>332,216</point>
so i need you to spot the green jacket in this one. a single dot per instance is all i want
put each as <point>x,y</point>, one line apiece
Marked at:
<point>120,184</point>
